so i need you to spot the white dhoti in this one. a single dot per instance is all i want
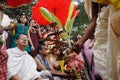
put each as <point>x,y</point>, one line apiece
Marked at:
<point>107,46</point>
<point>21,63</point>
<point>100,46</point>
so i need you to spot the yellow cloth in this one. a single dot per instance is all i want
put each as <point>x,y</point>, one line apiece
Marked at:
<point>116,3</point>
<point>102,1</point>
<point>12,25</point>
<point>62,65</point>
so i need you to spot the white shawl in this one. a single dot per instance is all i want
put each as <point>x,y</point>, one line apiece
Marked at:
<point>5,21</point>
<point>21,63</point>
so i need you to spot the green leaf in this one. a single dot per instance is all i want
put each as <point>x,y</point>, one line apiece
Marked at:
<point>64,36</point>
<point>56,20</point>
<point>70,23</point>
<point>71,9</point>
<point>69,15</point>
<point>49,16</point>
<point>46,14</point>
<point>68,26</point>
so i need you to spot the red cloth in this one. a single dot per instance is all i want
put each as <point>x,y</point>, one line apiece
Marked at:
<point>75,63</point>
<point>3,62</point>
<point>35,40</point>
<point>17,3</point>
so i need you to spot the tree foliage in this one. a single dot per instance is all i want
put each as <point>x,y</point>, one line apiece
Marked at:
<point>81,21</point>
<point>15,12</point>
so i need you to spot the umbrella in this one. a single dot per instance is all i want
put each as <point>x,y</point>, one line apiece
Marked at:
<point>58,7</point>
<point>16,3</point>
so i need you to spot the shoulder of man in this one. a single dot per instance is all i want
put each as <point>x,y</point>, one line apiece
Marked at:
<point>6,20</point>
<point>10,50</point>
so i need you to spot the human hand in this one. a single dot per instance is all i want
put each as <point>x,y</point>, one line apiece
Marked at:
<point>77,46</point>
<point>1,30</point>
<point>79,37</point>
<point>32,48</point>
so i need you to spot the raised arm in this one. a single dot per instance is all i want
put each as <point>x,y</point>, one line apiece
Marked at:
<point>91,27</point>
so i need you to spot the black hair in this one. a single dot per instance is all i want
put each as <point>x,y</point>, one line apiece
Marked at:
<point>17,37</point>
<point>3,0</point>
<point>39,47</point>
<point>26,24</point>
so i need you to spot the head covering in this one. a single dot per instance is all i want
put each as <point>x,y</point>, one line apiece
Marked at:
<point>3,1</point>
<point>115,23</point>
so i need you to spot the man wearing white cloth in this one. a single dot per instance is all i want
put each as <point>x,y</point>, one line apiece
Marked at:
<point>21,66</point>
<point>107,37</point>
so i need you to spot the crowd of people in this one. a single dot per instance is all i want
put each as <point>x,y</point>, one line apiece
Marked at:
<point>29,51</point>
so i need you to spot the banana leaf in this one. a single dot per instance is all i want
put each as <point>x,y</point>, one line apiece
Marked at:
<point>50,16</point>
<point>70,23</point>
<point>69,15</point>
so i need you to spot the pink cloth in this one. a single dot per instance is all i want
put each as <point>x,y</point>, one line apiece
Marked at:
<point>75,63</point>
<point>3,61</point>
<point>89,56</point>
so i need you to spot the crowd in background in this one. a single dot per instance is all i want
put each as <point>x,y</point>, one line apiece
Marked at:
<point>43,44</point>
<point>29,51</point>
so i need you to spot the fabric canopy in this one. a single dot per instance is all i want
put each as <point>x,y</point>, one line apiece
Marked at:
<point>59,8</point>
<point>17,3</point>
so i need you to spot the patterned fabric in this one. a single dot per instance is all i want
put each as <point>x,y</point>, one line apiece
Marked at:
<point>3,62</point>
<point>75,63</point>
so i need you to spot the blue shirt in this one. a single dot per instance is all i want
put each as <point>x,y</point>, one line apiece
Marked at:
<point>43,62</point>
